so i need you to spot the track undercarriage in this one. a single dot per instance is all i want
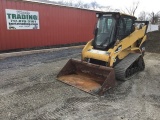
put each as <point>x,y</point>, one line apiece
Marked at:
<point>129,66</point>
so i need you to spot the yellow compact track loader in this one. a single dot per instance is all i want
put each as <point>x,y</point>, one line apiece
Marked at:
<point>115,53</point>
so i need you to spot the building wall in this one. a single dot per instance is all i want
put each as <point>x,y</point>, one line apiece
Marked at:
<point>58,25</point>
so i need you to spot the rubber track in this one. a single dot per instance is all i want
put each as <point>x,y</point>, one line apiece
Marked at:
<point>122,66</point>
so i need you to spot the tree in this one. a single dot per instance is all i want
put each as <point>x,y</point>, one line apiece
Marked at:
<point>154,17</point>
<point>79,4</point>
<point>87,6</point>
<point>106,8</point>
<point>70,3</point>
<point>94,5</point>
<point>132,9</point>
<point>143,16</point>
<point>61,2</point>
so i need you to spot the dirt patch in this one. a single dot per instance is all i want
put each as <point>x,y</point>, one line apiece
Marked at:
<point>153,42</point>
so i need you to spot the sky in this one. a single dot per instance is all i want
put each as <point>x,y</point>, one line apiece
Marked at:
<point>144,5</point>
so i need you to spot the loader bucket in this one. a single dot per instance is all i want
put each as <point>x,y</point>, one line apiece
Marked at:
<point>88,77</point>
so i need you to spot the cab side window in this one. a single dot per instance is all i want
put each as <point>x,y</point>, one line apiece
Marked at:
<point>125,27</point>
<point>129,23</point>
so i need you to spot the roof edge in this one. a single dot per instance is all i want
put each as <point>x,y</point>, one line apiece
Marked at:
<point>46,3</point>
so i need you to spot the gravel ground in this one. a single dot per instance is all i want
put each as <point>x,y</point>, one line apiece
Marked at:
<point>29,91</point>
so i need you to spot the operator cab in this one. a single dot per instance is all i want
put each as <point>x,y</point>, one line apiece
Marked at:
<point>112,26</point>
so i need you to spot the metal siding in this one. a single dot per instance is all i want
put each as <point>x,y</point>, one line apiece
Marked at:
<point>58,25</point>
<point>1,13</point>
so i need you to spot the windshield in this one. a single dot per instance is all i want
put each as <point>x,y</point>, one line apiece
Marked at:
<point>105,28</point>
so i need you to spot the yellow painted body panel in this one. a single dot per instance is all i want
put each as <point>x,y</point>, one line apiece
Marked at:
<point>128,46</point>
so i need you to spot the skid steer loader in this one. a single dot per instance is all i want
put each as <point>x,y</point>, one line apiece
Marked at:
<point>115,53</point>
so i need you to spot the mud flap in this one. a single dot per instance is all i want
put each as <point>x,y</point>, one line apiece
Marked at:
<point>88,77</point>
